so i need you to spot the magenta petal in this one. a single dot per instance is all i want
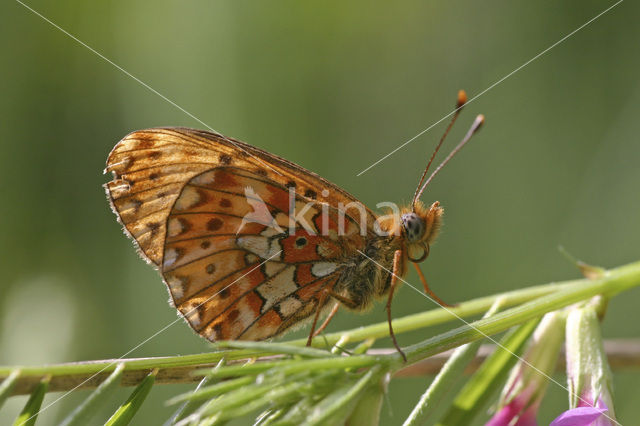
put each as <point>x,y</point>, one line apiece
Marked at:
<point>502,417</point>
<point>506,415</point>
<point>528,418</point>
<point>581,416</point>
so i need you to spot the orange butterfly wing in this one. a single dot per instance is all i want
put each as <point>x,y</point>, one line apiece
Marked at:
<point>181,194</point>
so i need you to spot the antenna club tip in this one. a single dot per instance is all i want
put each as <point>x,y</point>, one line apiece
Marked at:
<point>477,123</point>
<point>462,98</point>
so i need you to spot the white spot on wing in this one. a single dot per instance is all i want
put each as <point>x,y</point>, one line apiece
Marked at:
<point>270,231</point>
<point>272,268</point>
<point>191,313</point>
<point>176,286</point>
<point>277,288</point>
<point>175,227</point>
<point>170,257</point>
<point>322,269</point>
<point>260,246</point>
<point>246,317</point>
<point>189,198</point>
<point>205,178</point>
<point>211,334</point>
<point>289,306</point>
<point>129,205</point>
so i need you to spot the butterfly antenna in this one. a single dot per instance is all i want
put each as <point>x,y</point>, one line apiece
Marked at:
<point>478,122</point>
<point>462,99</point>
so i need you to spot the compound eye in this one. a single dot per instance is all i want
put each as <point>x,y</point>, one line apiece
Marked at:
<point>413,227</point>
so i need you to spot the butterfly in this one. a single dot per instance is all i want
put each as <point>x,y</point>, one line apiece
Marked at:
<point>251,245</point>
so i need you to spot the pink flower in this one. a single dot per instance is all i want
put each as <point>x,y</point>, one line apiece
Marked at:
<point>584,416</point>
<point>589,377</point>
<point>529,378</point>
<point>516,410</point>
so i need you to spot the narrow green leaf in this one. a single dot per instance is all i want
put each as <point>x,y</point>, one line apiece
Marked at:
<point>239,397</point>
<point>208,392</point>
<point>254,396</point>
<point>244,369</point>
<point>209,421</point>
<point>479,389</point>
<point>367,410</point>
<point>363,347</point>
<point>126,411</point>
<point>291,366</point>
<point>452,370</point>
<point>295,414</point>
<point>270,417</point>
<point>87,409</point>
<point>270,347</point>
<point>188,406</point>
<point>7,386</point>
<point>280,395</point>
<point>31,409</point>
<point>339,400</point>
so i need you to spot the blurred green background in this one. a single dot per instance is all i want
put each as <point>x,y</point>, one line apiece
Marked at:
<point>332,86</point>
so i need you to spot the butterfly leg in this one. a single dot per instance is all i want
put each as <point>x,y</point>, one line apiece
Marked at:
<point>326,322</point>
<point>428,290</point>
<point>397,258</point>
<point>322,299</point>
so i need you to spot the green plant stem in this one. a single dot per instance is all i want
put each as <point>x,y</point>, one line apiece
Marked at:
<point>179,369</point>
<point>612,283</point>
<point>440,315</point>
<point>535,302</point>
<point>407,323</point>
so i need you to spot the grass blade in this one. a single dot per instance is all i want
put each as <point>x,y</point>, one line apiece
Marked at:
<point>333,404</point>
<point>369,406</point>
<point>254,396</point>
<point>294,414</point>
<point>7,386</point>
<point>126,411</point>
<point>29,413</point>
<point>83,412</point>
<point>270,347</point>
<point>476,393</point>
<point>447,377</point>
<point>209,391</point>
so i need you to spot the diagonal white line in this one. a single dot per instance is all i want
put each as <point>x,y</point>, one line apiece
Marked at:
<point>492,86</point>
<point>147,339</point>
<point>145,85</point>
<point>551,379</point>
<point>267,165</point>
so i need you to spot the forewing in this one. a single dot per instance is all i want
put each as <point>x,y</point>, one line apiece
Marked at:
<point>151,167</point>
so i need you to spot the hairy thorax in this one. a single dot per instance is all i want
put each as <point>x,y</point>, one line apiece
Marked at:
<point>369,277</point>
